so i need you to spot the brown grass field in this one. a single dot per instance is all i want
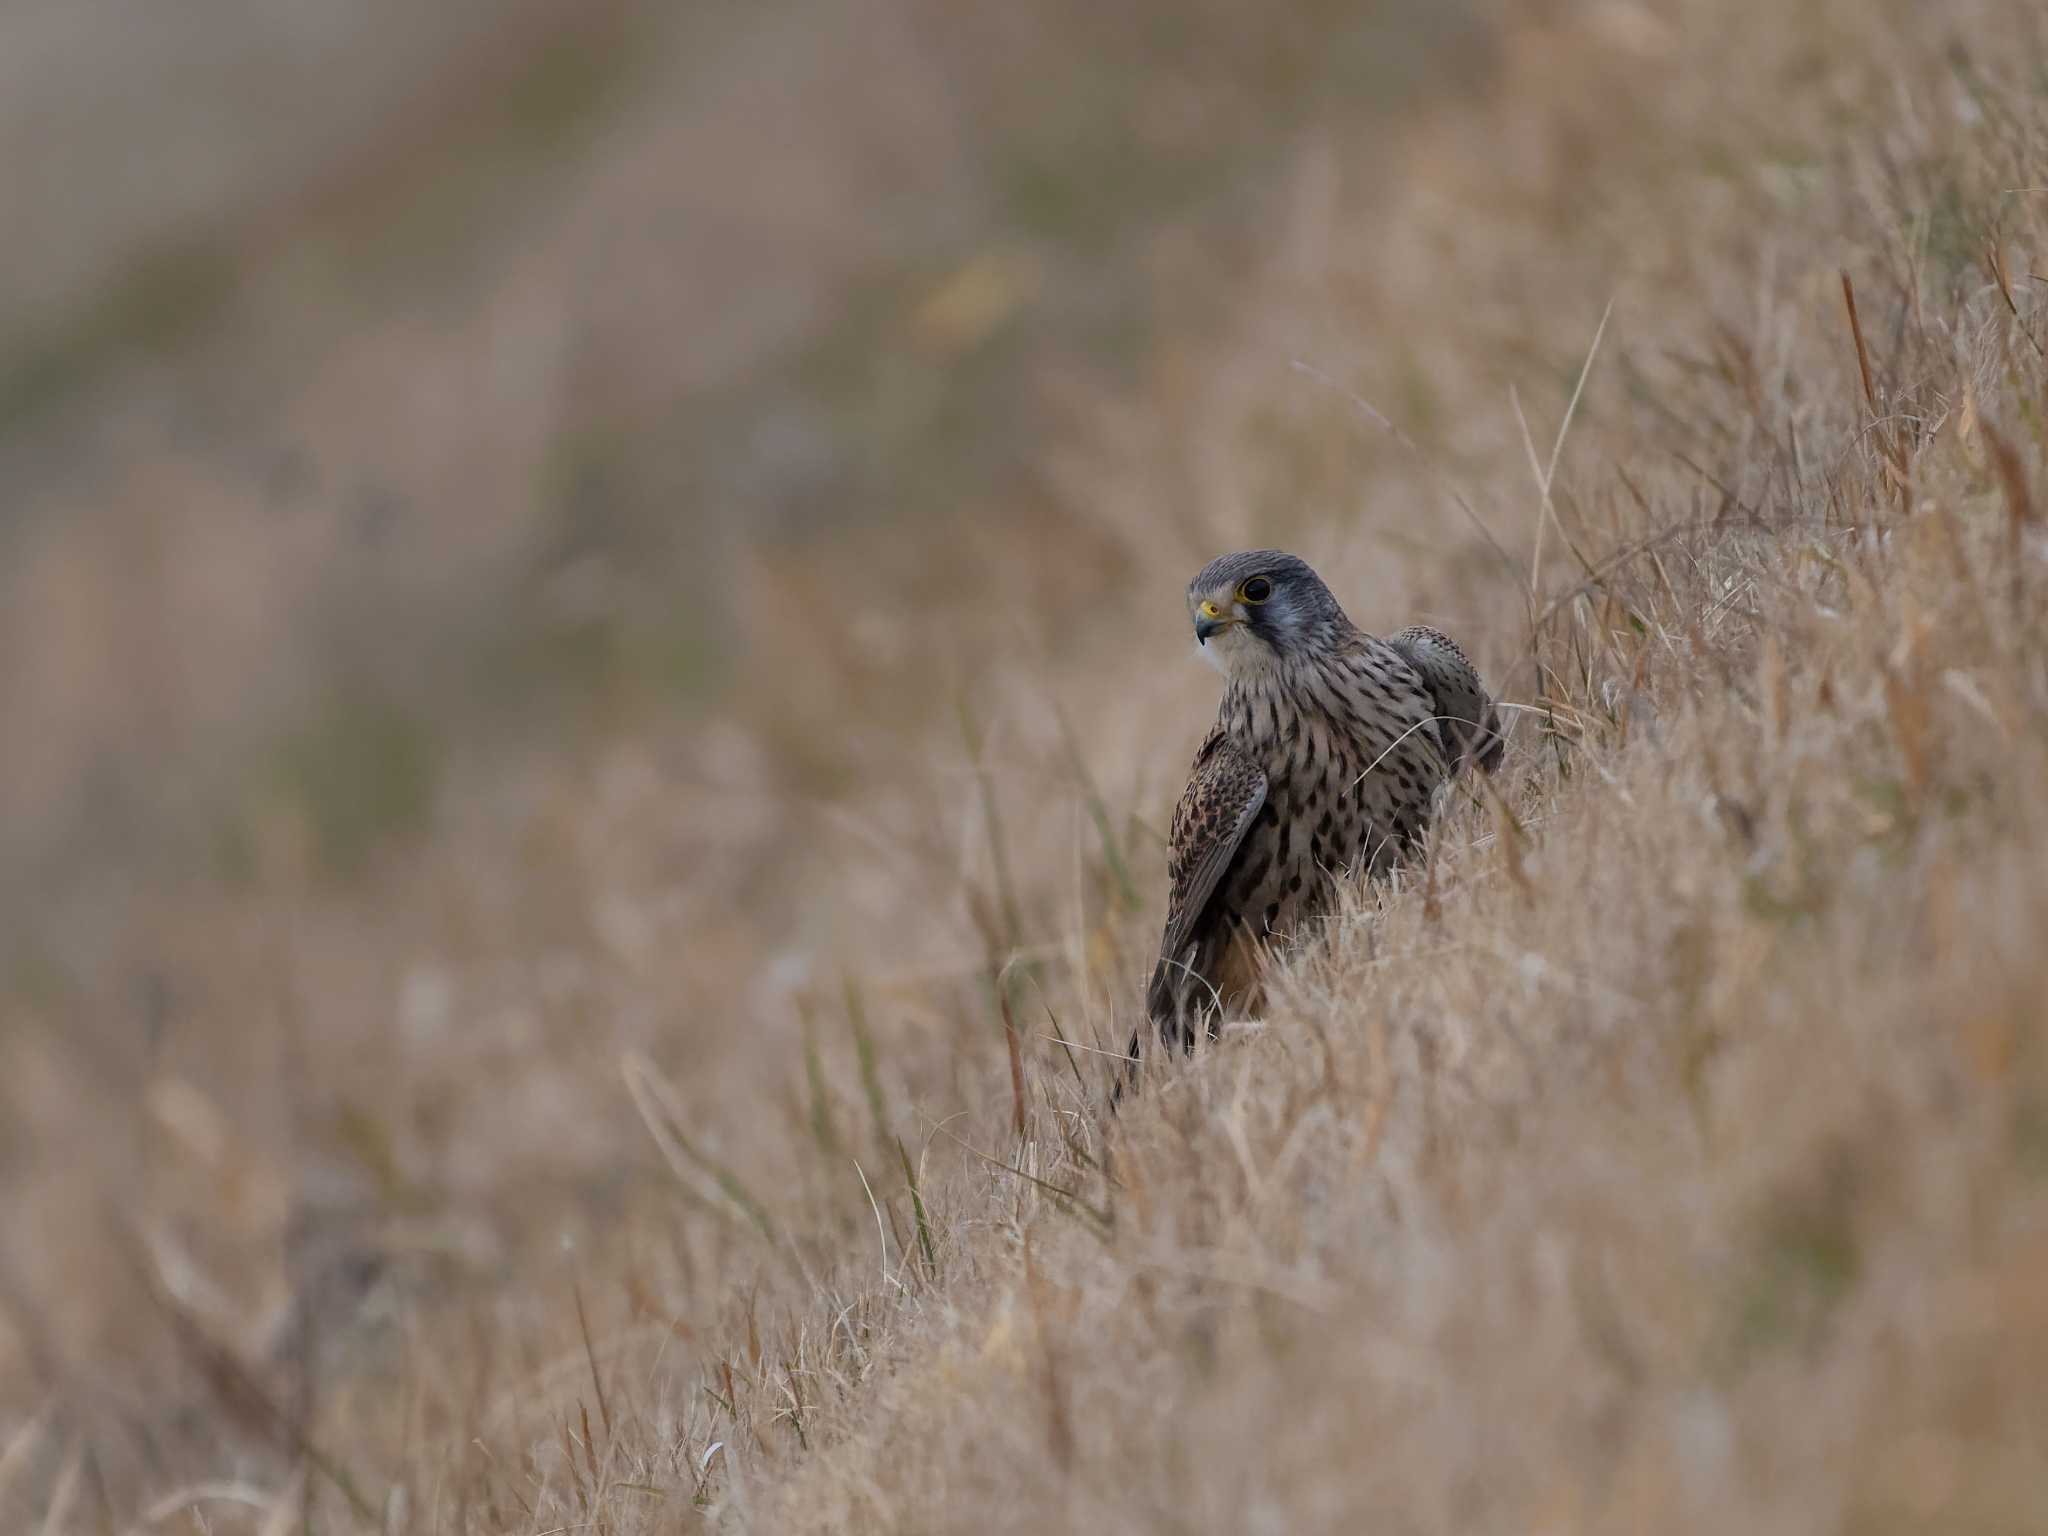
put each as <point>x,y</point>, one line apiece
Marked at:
<point>678,1104</point>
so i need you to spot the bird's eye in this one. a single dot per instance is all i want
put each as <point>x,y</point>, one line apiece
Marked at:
<point>1257,590</point>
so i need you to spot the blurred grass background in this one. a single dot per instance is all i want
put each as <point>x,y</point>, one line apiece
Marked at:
<point>358,357</point>
<point>592,602</point>
<point>407,415</point>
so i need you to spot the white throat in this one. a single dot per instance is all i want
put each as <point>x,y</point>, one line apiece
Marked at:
<point>1238,656</point>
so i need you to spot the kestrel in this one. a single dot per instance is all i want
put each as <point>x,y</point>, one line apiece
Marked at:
<point>1324,763</point>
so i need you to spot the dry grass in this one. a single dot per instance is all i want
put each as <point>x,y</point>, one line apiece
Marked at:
<point>706,1129</point>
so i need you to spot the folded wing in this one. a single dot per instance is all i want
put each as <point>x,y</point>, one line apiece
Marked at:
<point>1217,809</point>
<point>1465,712</point>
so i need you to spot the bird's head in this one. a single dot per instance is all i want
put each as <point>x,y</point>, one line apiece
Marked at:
<point>1254,609</point>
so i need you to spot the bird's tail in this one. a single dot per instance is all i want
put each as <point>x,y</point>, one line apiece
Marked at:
<point>1167,1005</point>
<point>1491,744</point>
<point>1126,1079</point>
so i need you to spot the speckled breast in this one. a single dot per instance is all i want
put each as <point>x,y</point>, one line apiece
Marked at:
<point>1352,764</point>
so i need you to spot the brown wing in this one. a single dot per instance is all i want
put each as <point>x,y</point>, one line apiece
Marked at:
<point>1465,713</point>
<point>1222,799</point>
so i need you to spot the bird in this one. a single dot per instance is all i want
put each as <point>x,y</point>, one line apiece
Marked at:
<point>1325,763</point>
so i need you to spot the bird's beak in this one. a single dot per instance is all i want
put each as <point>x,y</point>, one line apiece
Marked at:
<point>1209,620</point>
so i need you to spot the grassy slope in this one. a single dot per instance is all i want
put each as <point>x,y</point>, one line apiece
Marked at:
<point>1678,1161</point>
<point>1673,1155</point>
